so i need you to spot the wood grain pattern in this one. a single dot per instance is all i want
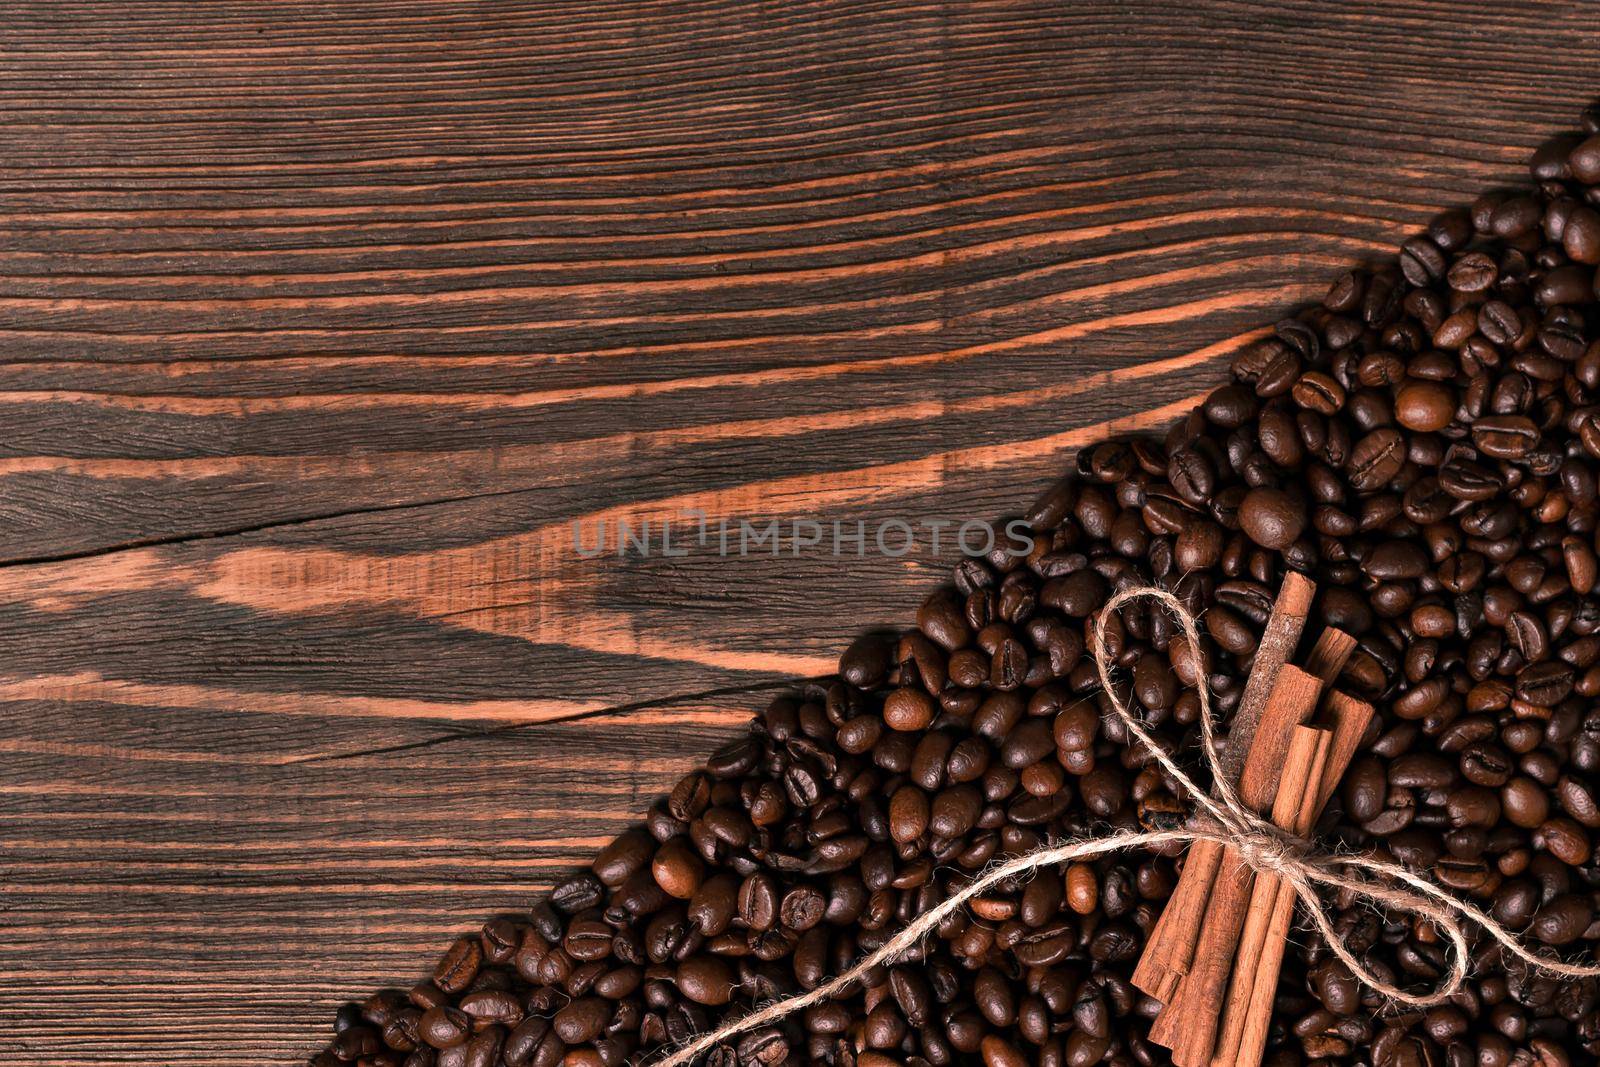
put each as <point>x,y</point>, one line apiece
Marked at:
<point>321,324</point>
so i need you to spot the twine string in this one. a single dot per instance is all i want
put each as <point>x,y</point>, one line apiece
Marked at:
<point>1258,843</point>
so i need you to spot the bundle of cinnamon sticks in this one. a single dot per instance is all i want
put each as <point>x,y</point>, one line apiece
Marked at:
<point>1214,956</point>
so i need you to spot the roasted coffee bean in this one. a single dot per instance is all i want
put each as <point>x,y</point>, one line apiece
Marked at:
<point>802,908</point>
<point>908,814</point>
<point>678,870</point>
<point>482,1049</point>
<point>706,980</point>
<point>459,966</point>
<point>866,663</point>
<point>620,859</point>
<point>908,710</point>
<point>911,991</point>
<point>1509,437</point>
<point>758,901</point>
<point>1563,920</point>
<point>581,1020</point>
<point>444,1027</point>
<point>1424,445</point>
<point>1375,460</point>
<point>1526,803</point>
<point>1424,406</point>
<point>578,894</point>
<point>955,811</point>
<point>1486,764</point>
<point>1365,787</point>
<point>524,1040</point>
<point>1272,518</point>
<point>488,1006</point>
<point>1473,273</point>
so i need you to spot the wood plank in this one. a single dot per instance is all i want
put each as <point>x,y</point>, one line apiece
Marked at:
<point>320,326</point>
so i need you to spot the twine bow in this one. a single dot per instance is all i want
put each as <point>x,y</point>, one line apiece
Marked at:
<point>1259,844</point>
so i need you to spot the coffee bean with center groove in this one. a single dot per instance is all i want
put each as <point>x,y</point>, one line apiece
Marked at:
<point>1499,322</point>
<point>758,900</point>
<point>499,939</point>
<point>1474,272</point>
<point>1375,460</point>
<point>1421,261</point>
<point>588,939</point>
<point>1508,437</point>
<point>802,908</point>
<point>1318,392</point>
<point>1546,683</point>
<point>1486,764</point>
<point>459,966</point>
<point>578,893</point>
<point>1192,475</point>
<point>1009,665</point>
<point>489,1006</point>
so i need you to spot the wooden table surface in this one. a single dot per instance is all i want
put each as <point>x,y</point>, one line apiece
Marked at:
<point>320,324</point>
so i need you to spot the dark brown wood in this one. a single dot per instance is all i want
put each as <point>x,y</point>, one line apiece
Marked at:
<point>320,324</point>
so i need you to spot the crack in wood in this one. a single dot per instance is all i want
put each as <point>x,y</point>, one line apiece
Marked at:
<point>596,713</point>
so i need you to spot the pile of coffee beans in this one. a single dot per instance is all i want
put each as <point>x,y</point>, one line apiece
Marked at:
<point>1424,444</point>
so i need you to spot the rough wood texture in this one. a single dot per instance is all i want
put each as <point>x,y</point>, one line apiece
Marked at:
<point>320,324</point>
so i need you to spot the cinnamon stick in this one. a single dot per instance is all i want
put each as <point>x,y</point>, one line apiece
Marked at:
<point>1175,937</point>
<point>1189,1022</point>
<point>1245,1019</point>
<point>1329,655</point>
<point>1348,718</point>
<point>1171,946</point>
<point>1172,943</point>
<point>1247,1011</point>
<point>1278,641</point>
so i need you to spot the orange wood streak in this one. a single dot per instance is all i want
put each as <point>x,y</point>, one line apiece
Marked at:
<point>539,458</point>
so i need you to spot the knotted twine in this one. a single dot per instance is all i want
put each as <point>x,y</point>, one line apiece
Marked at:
<point>1258,843</point>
